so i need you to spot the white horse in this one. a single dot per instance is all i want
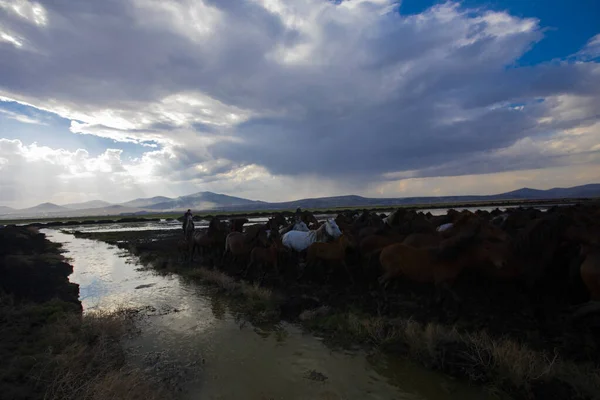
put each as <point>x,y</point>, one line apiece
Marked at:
<point>444,227</point>
<point>298,226</point>
<point>299,241</point>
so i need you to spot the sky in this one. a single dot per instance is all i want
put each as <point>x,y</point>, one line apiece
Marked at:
<point>276,100</point>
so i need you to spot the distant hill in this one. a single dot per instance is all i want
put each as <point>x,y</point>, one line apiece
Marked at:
<point>87,204</point>
<point>6,210</point>
<point>39,210</point>
<point>43,208</point>
<point>592,190</point>
<point>68,213</point>
<point>146,202</point>
<point>204,201</point>
<point>113,209</point>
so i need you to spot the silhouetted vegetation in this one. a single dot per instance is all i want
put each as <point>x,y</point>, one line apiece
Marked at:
<point>48,349</point>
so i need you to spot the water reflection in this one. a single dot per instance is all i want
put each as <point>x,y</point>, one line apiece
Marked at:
<point>234,359</point>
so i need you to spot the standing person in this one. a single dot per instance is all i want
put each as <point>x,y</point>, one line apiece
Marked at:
<point>298,214</point>
<point>188,214</point>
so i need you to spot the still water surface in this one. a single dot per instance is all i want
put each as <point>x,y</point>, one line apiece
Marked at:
<point>191,325</point>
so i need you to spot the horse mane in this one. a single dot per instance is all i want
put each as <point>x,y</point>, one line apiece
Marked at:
<point>321,232</point>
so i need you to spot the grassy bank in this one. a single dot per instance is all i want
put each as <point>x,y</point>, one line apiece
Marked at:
<point>49,350</point>
<point>502,363</point>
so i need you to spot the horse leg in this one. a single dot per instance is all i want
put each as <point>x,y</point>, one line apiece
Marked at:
<point>384,280</point>
<point>245,272</point>
<point>585,309</point>
<point>193,250</point>
<point>348,272</point>
<point>302,270</point>
<point>264,271</point>
<point>449,296</point>
<point>224,257</point>
<point>276,264</point>
<point>190,251</point>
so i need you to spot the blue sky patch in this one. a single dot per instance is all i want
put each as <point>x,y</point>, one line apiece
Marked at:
<point>567,25</point>
<point>29,125</point>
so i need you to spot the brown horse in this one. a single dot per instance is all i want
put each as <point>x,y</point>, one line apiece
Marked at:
<point>372,245</point>
<point>332,252</point>
<point>213,239</point>
<point>590,252</point>
<point>239,245</point>
<point>589,271</point>
<point>272,225</point>
<point>421,240</point>
<point>266,256</point>
<point>183,249</point>
<point>441,266</point>
<point>534,248</point>
<point>367,231</point>
<point>409,221</point>
<point>237,224</point>
<point>279,219</point>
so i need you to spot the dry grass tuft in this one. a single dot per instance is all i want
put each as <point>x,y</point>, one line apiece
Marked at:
<point>503,364</point>
<point>229,284</point>
<point>92,366</point>
<point>51,352</point>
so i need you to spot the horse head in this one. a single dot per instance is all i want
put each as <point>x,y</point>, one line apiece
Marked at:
<point>188,223</point>
<point>332,229</point>
<point>278,220</point>
<point>300,226</point>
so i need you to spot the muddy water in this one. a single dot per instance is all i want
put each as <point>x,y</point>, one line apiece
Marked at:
<point>222,356</point>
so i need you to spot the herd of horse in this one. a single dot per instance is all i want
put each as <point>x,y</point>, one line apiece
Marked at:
<point>555,250</point>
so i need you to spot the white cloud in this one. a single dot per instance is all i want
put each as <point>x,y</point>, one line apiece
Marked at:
<point>30,11</point>
<point>276,99</point>
<point>21,117</point>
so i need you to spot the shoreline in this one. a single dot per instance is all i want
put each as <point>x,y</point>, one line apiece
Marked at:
<point>207,214</point>
<point>50,349</point>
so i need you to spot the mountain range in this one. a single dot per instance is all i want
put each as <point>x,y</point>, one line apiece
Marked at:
<point>205,201</point>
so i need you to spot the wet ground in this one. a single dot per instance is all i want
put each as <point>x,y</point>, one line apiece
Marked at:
<point>194,338</point>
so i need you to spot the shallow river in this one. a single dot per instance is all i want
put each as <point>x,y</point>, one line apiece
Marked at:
<point>198,330</point>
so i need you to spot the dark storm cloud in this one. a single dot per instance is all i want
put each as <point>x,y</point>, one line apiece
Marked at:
<point>352,92</point>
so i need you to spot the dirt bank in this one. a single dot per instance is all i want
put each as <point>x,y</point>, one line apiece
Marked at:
<point>48,349</point>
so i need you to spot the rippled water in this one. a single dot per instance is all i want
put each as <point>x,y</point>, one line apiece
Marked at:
<point>233,359</point>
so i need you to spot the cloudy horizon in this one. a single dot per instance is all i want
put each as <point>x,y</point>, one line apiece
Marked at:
<point>279,100</point>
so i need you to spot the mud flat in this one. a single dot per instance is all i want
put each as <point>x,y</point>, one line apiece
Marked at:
<point>49,350</point>
<point>494,340</point>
